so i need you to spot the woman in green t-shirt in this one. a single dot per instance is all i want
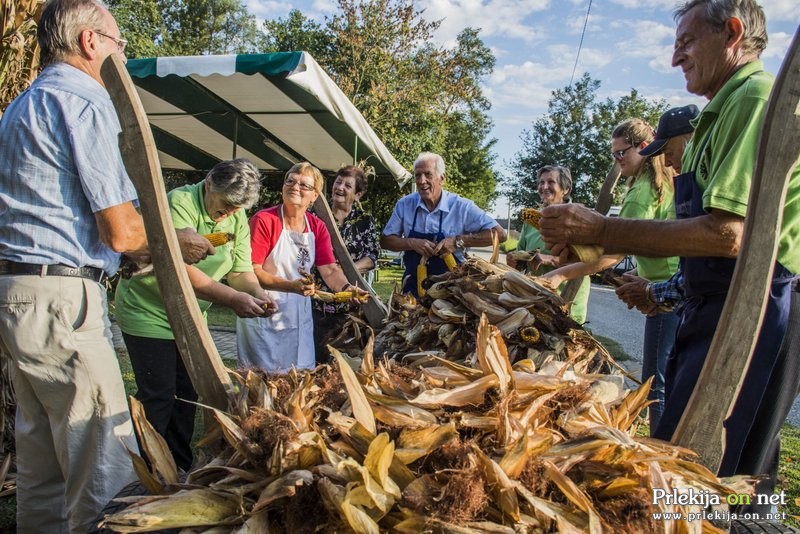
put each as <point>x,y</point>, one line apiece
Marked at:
<point>650,195</point>
<point>554,187</point>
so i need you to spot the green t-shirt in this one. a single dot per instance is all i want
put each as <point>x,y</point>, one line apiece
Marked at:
<point>530,239</point>
<point>139,309</point>
<point>641,202</point>
<point>722,153</point>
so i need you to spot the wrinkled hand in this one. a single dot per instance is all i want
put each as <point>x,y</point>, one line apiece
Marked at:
<point>245,305</point>
<point>634,292</point>
<point>540,259</point>
<point>303,286</point>
<point>551,280</point>
<point>359,295</point>
<point>446,245</point>
<point>194,247</point>
<point>268,305</point>
<point>510,261</point>
<point>572,224</point>
<point>422,246</point>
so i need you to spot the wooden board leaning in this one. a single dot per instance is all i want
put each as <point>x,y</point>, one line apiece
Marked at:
<point>140,156</point>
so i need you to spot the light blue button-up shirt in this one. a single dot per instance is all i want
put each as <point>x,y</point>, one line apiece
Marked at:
<point>458,216</point>
<point>59,164</point>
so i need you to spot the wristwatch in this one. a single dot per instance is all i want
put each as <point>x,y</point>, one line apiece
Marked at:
<point>459,242</point>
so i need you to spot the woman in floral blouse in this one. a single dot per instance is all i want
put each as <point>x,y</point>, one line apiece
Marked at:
<point>361,239</point>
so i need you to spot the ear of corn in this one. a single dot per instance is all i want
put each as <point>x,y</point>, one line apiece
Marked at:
<point>584,253</point>
<point>219,238</point>
<point>340,296</point>
<point>450,261</point>
<point>422,274</point>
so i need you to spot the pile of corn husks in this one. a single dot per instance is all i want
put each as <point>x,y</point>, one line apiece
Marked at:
<point>534,322</point>
<point>436,446</point>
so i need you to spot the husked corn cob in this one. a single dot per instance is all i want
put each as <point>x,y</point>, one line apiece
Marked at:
<point>450,261</point>
<point>531,216</point>
<point>339,296</point>
<point>422,274</point>
<point>219,238</point>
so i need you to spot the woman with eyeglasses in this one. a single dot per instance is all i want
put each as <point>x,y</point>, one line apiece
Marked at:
<point>287,242</point>
<point>650,195</point>
<point>360,236</point>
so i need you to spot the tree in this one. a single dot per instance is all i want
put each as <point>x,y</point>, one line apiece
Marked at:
<point>415,95</point>
<point>185,27</point>
<point>576,133</point>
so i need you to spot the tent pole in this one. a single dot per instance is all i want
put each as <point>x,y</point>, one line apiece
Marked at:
<point>355,150</point>
<point>235,135</point>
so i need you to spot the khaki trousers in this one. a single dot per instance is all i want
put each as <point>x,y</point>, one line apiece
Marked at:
<point>72,422</point>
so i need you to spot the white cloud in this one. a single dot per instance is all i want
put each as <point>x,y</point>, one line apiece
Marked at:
<point>644,4</point>
<point>781,10</point>
<point>494,18</point>
<point>268,10</point>
<point>777,46</point>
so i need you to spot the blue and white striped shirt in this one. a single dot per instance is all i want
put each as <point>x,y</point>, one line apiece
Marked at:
<point>59,164</point>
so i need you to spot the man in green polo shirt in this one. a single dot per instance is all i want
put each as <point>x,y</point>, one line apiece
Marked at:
<point>717,46</point>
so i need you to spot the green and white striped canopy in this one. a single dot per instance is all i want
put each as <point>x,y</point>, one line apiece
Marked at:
<point>274,109</point>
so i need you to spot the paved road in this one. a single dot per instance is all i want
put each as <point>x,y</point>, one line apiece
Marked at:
<point>610,318</point>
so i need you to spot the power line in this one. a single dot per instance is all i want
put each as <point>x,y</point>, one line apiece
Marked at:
<point>585,22</point>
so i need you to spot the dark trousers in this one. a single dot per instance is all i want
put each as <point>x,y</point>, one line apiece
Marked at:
<point>762,455</point>
<point>698,322</point>
<point>160,378</point>
<point>326,327</point>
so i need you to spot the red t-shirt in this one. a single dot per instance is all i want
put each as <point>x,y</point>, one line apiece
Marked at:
<point>266,227</point>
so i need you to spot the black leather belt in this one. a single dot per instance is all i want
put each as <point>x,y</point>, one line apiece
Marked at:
<point>92,273</point>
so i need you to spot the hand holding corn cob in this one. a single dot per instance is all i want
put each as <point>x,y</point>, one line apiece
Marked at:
<point>582,253</point>
<point>131,266</point>
<point>194,247</point>
<point>304,285</point>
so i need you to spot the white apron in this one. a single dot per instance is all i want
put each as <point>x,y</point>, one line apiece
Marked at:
<point>286,339</point>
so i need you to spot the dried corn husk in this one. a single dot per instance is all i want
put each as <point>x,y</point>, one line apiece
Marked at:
<point>437,446</point>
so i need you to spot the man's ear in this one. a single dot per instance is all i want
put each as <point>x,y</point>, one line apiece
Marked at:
<point>88,42</point>
<point>735,31</point>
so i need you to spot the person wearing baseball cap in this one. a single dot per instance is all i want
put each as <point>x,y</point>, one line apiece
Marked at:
<point>673,133</point>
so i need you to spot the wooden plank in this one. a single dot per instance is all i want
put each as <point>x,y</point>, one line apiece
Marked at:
<point>731,350</point>
<point>374,310</point>
<point>606,195</point>
<point>140,156</point>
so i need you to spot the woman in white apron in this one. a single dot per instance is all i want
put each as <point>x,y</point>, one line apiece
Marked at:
<point>286,243</point>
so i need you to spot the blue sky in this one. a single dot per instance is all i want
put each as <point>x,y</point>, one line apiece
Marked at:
<point>628,44</point>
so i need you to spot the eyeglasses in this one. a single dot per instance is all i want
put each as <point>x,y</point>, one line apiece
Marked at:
<point>619,154</point>
<point>290,182</point>
<point>121,43</point>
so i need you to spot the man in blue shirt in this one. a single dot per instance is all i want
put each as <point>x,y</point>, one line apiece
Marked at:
<point>432,222</point>
<point>66,204</point>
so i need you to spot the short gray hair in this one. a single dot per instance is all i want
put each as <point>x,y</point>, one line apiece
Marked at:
<point>61,24</point>
<point>437,159</point>
<point>238,180</point>
<point>717,13</point>
<point>564,178</point>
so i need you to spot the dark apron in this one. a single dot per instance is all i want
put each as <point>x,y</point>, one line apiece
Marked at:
<point>411,258</point>
<point>706,284</point>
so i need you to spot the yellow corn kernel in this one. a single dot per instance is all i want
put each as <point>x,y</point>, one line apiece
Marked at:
<point>422,274</point>
<point>345,296</point>
<point>531,216</point>
<point>219,238</point>
<point>450,261</point>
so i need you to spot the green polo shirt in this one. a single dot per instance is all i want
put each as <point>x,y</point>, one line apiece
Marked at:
<point>722,153</point>
<point>641,202</point>
<point>530,239</point>
<point>139,308</point>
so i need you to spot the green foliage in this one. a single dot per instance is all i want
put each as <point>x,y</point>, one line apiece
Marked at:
<point>416,96</point>
<point>185,27</point>
<point>576,133</point>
